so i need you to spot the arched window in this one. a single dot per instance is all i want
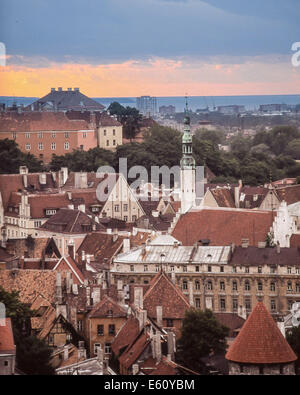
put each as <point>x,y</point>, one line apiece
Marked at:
<point>247,286</point>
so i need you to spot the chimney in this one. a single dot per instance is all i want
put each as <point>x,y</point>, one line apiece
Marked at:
<point>52,89</point>
<point>157,347</point>
<point>66,352</point>
<point>242,312</point>
<point>245,243</point>
<point>173,277</point>
<point>96,295</point>
<point>69,282</point>
<point>83,256</point>
<point>278,247</point>
<point>142,318</point>
<point>171,345</point>
<point>25,181</point>
<point>135,369</point>
<point>88,296</point>
<point>138,298</point>
<point>155,213</point>
<point>237,197</point>
<point>58,288</point>
<point>60,89</point>
<point>23,170</point>
<point>81,350</point>
<point>159,316</point>
<point>126,245</point>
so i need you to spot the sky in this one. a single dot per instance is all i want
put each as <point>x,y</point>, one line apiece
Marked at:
<point>119,48</point>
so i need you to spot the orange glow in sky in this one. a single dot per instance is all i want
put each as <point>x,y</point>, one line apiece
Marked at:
<point>157,77</point>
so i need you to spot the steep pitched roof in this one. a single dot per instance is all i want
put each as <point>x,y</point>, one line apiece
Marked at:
<point>132,353</point>
<point>70,221</point>
<point>69,261</point>
<point>126,335</point>
<point>290,194</point>
<point>260,341</point>
<point>223,226</point>
<point>108,305</point>
<point>7,344</point>
<point>162,292</point>
<point>223,196</point>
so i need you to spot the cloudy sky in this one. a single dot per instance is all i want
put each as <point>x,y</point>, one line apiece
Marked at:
<point>155,47</point>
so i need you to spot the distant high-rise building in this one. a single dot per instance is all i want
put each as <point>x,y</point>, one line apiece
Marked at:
<point>147,105</point>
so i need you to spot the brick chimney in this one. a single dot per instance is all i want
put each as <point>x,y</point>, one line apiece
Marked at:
<point>159,316</point>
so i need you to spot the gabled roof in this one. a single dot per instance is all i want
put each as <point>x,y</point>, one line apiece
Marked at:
<point>69,261</point>
<point>223,196</point>
<point>162,292</point>
<point>260,341</point>
<point>108,308</point>
<point>126,335</point>
<point>223,226</point>
<point>290,194</point>
<point>71,221</point>
<point>132,353</point>
<point>7,344</point>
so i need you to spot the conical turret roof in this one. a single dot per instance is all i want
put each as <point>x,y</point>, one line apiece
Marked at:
<point>260,341</point>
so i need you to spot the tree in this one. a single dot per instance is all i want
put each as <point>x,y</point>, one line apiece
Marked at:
<point>201,335</point>
<point>293,149</point>
<point>11,158</point>
<point>293,338</point>
<point>33,355</point>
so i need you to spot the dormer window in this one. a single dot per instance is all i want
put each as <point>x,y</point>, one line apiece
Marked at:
<point>109,313</point>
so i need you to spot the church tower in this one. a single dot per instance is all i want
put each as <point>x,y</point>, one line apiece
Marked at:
<point>188,168</point>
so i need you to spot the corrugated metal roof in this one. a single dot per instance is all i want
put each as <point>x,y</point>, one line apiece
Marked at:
<point>172,254</point>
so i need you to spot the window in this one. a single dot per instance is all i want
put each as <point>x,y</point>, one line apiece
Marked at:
<point>209,268</point>
<point>107,143</point>
<point>184,285</point>
<point>248,304</point>
<point>27,135</point>
<point>111,330</point>
<point>259,269</point>
<point>117,208</point>
<point>114,142</point>
<point>234,286</point>
<point>289,287</point>
<point>235,305</point>
<point>272,287</point>
<point>259,286</point>
<point>222,269</point>
<point>246,269</point>
<point>51,212</point>
<point>104,132</point>
<point>53,146</point>
<point>100,330</point>
<point>209,286</point>
<point>107,348</point>
<point>273,269</point>
<point>197,303</point>
<point>14,135</point>
<point>132,268</point>
<point>125,207</point>
<point>67,135</point>
<point>170,323</point>
<point>40,135</point>
<point>41,146</point>
<point>184,268</point>
<point>145,268</point>
<point>297,287</point>
<point>222,304</point>
<point>53,134</point>
<point>247,286</point>
<point>5,363</point>
<point>37,224</point>
<point>222,286</point>
<point>172,268</point>
<point>114,132</point>
<point>234,269</point>
<point>67,145</point>
<point>273,305</point>
<point>134,218</point>
<point>297,270</point>
<point>27,147</point>
<point>289,270</point>
<point>197,285</point>
<point>197,269</point>
<point>84,135</point>
<point>96,345</point>
<point>157,268</point>
<point>125,218</point>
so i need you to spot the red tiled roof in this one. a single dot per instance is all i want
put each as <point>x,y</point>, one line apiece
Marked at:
<point>254,256</point>
<point>260,341</point>
<point>162,292</point>
<point>6,338</point>
<point>163,368</point>
<point>231,320</point>
<point>295,241</point>
<point>290,194</point>
<point>107,304</point>
<point>73,267</point>
<point>126,335</point>
<point>40,121</point>
<point>223,226</point>
<point>224,197</point>
<point>132,353</point>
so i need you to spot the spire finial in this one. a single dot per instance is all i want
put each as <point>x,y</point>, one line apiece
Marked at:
<point>186,103</point>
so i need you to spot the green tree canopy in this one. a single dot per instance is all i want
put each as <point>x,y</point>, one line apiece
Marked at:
<point>11,158</point>
<point>201,335</point>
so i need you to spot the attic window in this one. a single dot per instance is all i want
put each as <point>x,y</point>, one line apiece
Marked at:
<point>109,313</point>
<point>209,256</point>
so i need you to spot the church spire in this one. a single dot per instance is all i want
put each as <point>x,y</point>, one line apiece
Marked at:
<point>187,160</point>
